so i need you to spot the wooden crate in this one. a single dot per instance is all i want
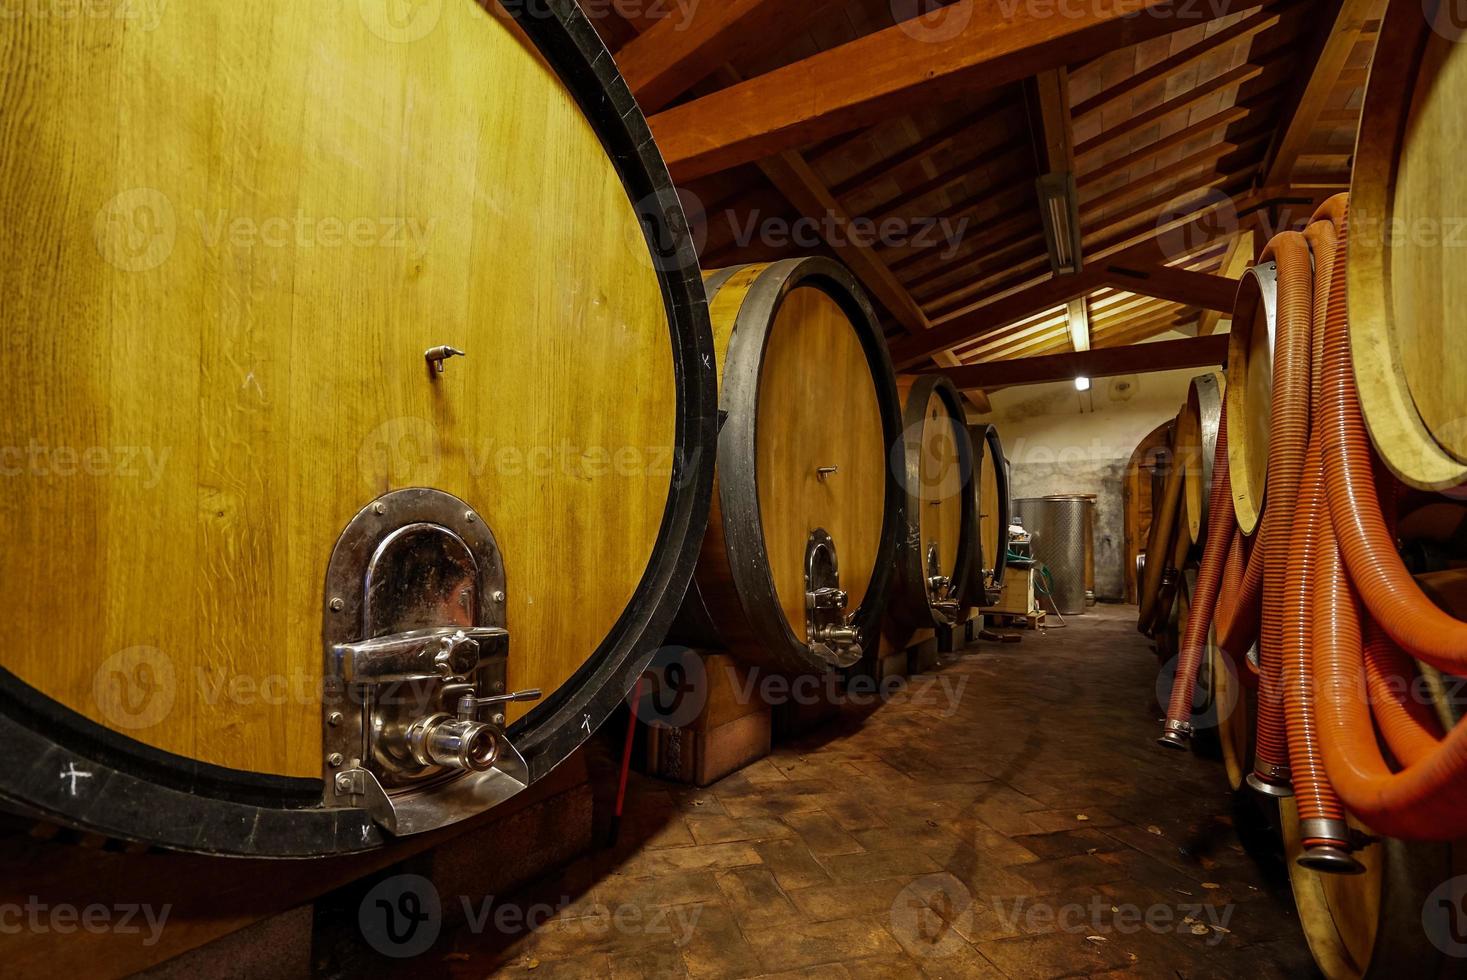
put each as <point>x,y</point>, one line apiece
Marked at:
<point>1017,598</point>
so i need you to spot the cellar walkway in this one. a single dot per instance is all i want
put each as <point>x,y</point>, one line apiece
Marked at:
<point>1007,816</point>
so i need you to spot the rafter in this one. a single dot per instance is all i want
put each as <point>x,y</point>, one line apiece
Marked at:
<point>675,53</point>
<point>1100,362</point>
<point>1256,23</point>
<point>1235,262</point>
<point>889,71</point>
<point>1157,147</point>
<point>1223,83</point>
<point>1334,50</point>
<point>1056,291</point>
<point>887,167</point>
<point>1149,181</point>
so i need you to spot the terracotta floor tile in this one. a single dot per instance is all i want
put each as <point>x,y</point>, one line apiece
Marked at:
<point>822,834</point>
<point>909,842</point>
<point>719,829</point>
<point>809,943</point>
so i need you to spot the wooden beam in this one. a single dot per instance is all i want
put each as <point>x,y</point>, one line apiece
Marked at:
<point>1158,177</point>
<point>1059,290</point>
<point>1077,318</point>
<point>886,168</point>
<point>1052,97</point>
<point>675,53</point>
<point>1102,362</point>
<point>979,400</point>
<point>799,183</point>
<point>1235,262</point>
<point>1178,285</point>
<point>1345,31</point>
<point>890,71</point>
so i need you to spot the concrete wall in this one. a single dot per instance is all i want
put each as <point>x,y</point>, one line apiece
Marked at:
<point>1060,440</point>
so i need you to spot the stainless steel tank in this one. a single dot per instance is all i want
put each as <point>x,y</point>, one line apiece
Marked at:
<point>1062,528</point>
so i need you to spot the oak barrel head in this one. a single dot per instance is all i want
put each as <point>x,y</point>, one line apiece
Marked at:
<point>797,563</point>
<point>935,556</point>
<point>1406,234</point>
<point>249,243</point>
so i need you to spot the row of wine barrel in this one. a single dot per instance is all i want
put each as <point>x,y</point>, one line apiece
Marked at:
<point>1177,534</point>
<point>1326,628</point>
<point>369,423</point>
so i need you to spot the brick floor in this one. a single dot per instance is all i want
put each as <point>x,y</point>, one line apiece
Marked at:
<point>1010,816</point>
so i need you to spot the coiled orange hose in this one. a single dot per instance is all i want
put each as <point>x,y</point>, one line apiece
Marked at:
<point>1344,669</point>
<point>1427,799</point>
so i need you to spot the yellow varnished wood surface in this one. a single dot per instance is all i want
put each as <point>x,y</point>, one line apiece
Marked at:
<point>818,407</point>
<point>1235,719</point>
<point>1407,235</point>
<point>990,533</point>
<point>1191,455</point>
<point>1250,411</point>
<point>940,484</point>
<point>229,236</point>
<point>1340,914</point>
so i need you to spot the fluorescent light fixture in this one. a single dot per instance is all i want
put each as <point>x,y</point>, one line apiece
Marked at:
<point>1082,384</point>
<point>1059,207</point>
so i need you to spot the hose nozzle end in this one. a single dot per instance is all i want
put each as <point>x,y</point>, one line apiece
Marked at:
<point>1173,740</point>
<point>1269,787</point>
<point>1328,859</point>
<point>1175,735</point>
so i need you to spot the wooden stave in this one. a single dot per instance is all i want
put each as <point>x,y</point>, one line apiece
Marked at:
<point>731,602</point>
<point>1402,436</point>
<point>910,603</point>
<point>1399,877</point>
<point>986,580</point>
<point>1205,398</point>
<point>1250,336</point>
<point>136,792</point>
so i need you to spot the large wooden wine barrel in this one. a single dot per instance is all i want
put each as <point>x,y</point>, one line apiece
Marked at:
<point>1196,442</point>
<point>1249,402</point>
<point>269,547</point>
<point>1166,541</point>
<point>797,564</point>
<point>1406,290</point>
<point>939,533</point>
<point>995,510</point>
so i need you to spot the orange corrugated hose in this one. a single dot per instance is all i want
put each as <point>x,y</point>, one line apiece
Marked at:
<point>1427,799</point>
<point>1345,669</point>
<point>1288,443</point>
<point>1222,529</point>
<point>1324,832</point>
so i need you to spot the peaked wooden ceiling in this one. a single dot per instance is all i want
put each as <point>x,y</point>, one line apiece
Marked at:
<point>913,139</point>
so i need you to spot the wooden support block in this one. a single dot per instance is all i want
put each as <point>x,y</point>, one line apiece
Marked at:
<point>732,727</point>
<point>922,657</point>
<point>246,914</point>
<point>898,663</point>
<point>701,757</point>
